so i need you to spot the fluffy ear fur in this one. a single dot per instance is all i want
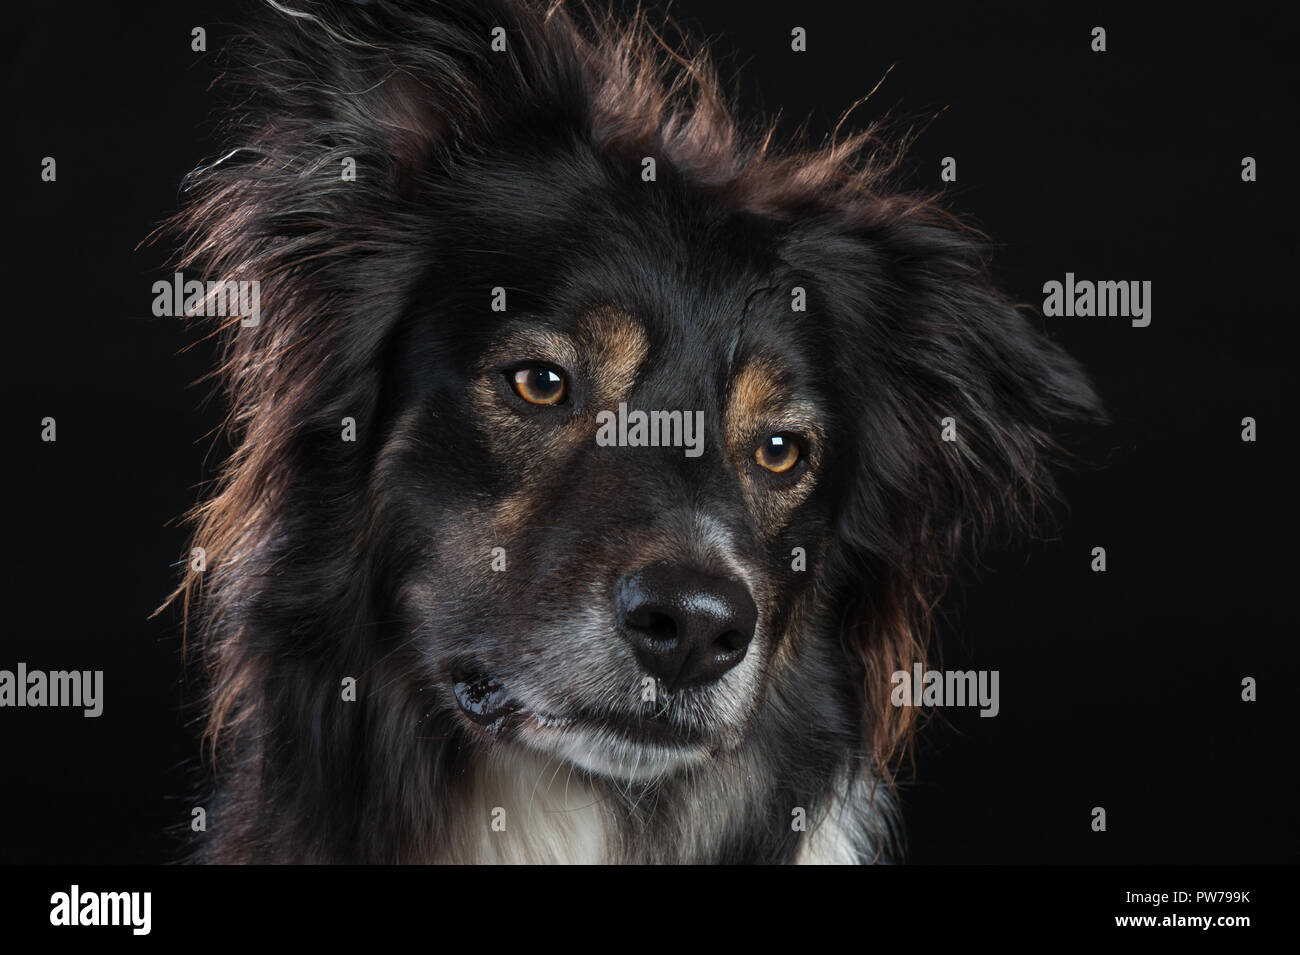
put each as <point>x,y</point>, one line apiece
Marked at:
<point>964,397</point>
<point>347,115</point>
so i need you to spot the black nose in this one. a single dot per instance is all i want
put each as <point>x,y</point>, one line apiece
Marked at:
<point>686,628</point>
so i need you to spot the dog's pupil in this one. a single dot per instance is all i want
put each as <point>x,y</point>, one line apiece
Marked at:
<point>779,453</point>
<point>539,385</point>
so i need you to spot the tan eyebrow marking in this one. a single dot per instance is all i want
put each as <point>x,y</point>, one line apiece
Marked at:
<point>539,344</point>
<point>755,392</point>
<point>615,345</point>
<point>758,400</point>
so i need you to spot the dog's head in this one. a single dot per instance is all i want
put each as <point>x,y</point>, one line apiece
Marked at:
<point>609,420</point>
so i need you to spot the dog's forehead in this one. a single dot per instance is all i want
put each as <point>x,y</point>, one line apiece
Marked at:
<point>692,290</point>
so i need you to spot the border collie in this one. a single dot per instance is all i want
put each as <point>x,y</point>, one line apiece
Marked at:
<point>595,464</point>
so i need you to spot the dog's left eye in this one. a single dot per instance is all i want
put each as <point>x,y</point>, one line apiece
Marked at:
<point>779,453</point>
<point>538,384</point>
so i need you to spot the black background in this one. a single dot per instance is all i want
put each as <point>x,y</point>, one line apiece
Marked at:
<point>1119,689</point>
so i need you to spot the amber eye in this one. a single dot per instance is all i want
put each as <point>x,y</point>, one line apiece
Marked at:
<point>538,385</point>
<point>779,453</point>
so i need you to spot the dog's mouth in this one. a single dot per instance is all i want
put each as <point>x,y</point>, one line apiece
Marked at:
<point>488,703</point>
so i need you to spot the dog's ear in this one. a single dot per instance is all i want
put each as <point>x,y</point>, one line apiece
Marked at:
<point>352,102</point>
<point>347,118</point>
<point>954,406</point>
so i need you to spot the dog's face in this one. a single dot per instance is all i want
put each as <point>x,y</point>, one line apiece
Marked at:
<point>613,489</point>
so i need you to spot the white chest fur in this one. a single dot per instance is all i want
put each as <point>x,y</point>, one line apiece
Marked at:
<point>525,808</point>
<point>528,809</point>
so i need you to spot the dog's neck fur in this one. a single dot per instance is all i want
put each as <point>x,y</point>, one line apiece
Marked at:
<point>528,809</point>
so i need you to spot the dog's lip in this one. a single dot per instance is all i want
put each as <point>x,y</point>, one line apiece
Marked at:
<point>487,702</point>
<point>483,698</point>
<point>649,729</point>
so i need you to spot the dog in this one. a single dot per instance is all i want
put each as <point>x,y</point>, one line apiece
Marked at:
<point>594,464</point>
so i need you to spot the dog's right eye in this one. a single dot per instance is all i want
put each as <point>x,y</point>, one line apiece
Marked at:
<point>779,453</point>
<point>538,384</point>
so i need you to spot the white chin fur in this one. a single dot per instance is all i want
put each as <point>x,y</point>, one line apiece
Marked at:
<point>603,755</point>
